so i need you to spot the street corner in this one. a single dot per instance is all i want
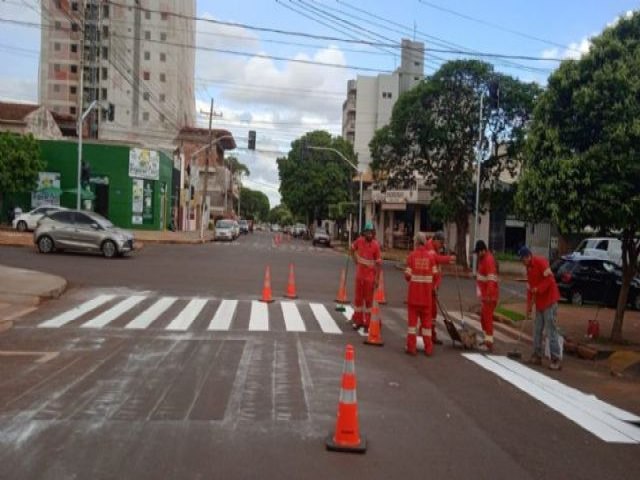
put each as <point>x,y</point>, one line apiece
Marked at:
<point>28,288</point>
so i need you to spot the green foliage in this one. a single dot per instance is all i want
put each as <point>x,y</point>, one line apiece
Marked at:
<point>281,215</point>
<point>255,204</point>
<point>236,166</point>
<point>341,211</point>
<point>20,163</point>
<point>583,154</point>
<point>311,180</point>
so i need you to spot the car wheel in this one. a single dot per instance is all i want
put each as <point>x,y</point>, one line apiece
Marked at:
<point>45,244</point>
<point>22,226</point>
<point>576,298</point>
<point>109,249</point>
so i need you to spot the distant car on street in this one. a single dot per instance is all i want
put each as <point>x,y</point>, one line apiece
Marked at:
<point>81,231</point>
<point>224,230</point>
<point>606,248</point>
<point>29,220</point>
<point>320,237</point>
<point>244,226</point>
<point>583,279</point>
<point>275,227</point>
<point>300,230</point>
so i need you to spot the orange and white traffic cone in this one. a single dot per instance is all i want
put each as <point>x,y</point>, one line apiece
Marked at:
<point>291,284</point>
<point>375,327</point>
<point>380,295</point>
<point>346,437</point>
<point>266,289</point>
<point>342,289</point>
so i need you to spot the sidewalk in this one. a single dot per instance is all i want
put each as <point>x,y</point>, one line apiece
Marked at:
<point>22,290</point>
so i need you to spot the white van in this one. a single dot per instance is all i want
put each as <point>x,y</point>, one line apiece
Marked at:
<point>606,248</point>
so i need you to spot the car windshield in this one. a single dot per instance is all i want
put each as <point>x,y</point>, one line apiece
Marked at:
<point>244,223</point>
<point>224,224</point>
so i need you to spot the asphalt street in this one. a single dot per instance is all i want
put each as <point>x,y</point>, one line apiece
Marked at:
<point>163,365</point>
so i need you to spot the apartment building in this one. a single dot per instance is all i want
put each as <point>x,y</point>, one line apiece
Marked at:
<point>133,54</point>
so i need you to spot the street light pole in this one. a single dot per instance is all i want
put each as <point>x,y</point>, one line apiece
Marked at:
<point>80,123</point>
<point>476,222</point>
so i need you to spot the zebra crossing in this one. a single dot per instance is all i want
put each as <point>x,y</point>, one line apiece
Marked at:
<point>140,311</point>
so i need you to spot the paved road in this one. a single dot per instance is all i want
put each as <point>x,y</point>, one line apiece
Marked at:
<point>163,366</point>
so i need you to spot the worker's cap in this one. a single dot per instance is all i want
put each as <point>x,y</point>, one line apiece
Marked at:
<point>524,252</point>
<point>480,246</point>
<point>368,227</point>
<point>439,236</point>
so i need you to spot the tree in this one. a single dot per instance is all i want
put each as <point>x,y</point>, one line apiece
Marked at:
<point>236,166</point>
<point>281,215</point>
<point>255,204</point>
<point>433,136</point>
<point>311,180</point>
<point>20,163</point>
<point>583,156</point>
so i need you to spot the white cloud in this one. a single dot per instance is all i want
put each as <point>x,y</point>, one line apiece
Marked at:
<point>18,90</point>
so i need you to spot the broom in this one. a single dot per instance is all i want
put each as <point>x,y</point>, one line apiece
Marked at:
<point>516,354</point>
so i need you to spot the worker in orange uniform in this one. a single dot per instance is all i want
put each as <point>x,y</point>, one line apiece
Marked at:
<point>366,254</point>
<point>434,245</point>
<point>542,290</point>
<point>487,290</point>
<point>419,274</point>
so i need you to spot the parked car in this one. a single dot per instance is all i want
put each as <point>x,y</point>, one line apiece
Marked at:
<point>236,228</point>
<point>81,231</point>
<point>275,227</point>
<point>606,248</point>
<point>244,226</point>
<point>224,230</point>
<point>29,220</point>
<point>300,230</point>
<point>320,237</point>
<point>583,279</point>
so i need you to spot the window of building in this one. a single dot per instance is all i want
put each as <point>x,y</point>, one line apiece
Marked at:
<point>74,6</point>
<point>72,110</point>
<point>146,75</point>
<point>56,67</point>
<point>417,64</point>
<point>162,97</point>
<point>58,25</point>
<point>147,55</point>
<point>105,73</point>
<point>103,115</point>
<point>147,15</point>
<point>145,116</point>
<point>163,57</point>
<point>147,35</point>
<point>164,15</point>
<point>105,52</point>
<point>105,11</point>
<point>56,87</point>
<point>74,69</point>
<point>145,96</point>
<point>163,37</point>
<point>56,47</point>
<point>74,27</point>
<point>74,48</point>
<point>163,77</point>
<point>73,90</point>
<point>416,78</point>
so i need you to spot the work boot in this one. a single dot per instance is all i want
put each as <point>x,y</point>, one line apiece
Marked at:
<point>535,360</point>
<point>555,365</point>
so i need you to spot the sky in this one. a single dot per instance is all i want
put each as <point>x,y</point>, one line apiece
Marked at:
<point>281,99</point>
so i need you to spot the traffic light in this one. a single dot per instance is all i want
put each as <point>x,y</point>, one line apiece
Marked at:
<point>111,112</point>
<point>85,173</point>
<point>252,140</point>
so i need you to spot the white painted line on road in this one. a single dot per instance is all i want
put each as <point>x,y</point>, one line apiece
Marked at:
<point>292,319</point>
<point>188,314</point>
<point>478,326</point>
<point>602,425</point>
<point>222,319</point>
<point>76,312</point>
<point>151,314</point>
<point>348,312</point>
<point>324,319</point>
<point>114,312</point>
<point>259,319</point>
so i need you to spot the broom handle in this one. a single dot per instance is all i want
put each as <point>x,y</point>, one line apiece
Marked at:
<point>459,295</point>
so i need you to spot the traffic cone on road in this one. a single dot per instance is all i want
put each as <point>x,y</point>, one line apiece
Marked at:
<point>266,289</point>
<point>380,295</point>
<point>342,289</point>
<point>346,437</point>
<point>291,284</point>
<point>375,327</point>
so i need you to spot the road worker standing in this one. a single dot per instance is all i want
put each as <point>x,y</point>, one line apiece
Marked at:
<point>487,290</point>
<point>366,253</point>
<point>433,246</point>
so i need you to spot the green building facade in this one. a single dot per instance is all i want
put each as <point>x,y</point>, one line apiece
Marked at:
<point>128,185</point>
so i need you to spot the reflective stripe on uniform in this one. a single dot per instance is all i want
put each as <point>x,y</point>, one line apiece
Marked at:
<point>436,269</point>
<point>488,338</point>
<point>422,278</point>
<point>426,332</point>
<point>492,277</point>
<point>408,271</point>
<point>412,330</point>
<point>364,261</point>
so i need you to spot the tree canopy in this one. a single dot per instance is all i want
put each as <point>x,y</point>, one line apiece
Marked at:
<point>254,204</point>
<point>583,153</point>
<point>311,180</point>
<point>281,215</point>
<point>20,163</point>
<point>432,137</point>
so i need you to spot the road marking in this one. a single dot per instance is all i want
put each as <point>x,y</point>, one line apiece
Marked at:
<point>222,319</point>
<point>76,312</point>
<point>476,325</point>
<point>186,317</point>
<point>324,319</point>
<point>292,319</point>
<point>152,313</point>
<point>259,320</point>
<point>595,419</point>
<point>114,312</point>
<point>348,312</point>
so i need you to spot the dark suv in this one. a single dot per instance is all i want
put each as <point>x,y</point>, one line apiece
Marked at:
<point>584,279</point>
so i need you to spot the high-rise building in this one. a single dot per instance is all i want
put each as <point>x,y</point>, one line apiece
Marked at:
<point>135,54</point>
<point>370,100</point>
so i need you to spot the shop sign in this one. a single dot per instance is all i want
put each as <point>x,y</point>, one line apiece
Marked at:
<point>48,190</point>
<point>144,163</point>
<point>137,201</point>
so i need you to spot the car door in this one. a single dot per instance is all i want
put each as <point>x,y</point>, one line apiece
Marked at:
<point>86,233</point>
<point>33,217</point>
<point>61,230</point>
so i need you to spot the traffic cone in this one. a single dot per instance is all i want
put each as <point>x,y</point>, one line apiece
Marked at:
<point>375,327</point>
<point>266,289</point>
<point>347,433</point>
<point>380,295</point>
<point>342,289</point>
<point>291,284</point>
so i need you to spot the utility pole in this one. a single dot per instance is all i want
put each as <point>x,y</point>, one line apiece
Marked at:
<point>206,179</point>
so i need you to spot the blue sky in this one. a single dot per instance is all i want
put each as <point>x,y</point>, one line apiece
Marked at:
<point>281,99</point>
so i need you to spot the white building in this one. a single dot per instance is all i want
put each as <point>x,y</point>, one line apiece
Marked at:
<point>133,56</point>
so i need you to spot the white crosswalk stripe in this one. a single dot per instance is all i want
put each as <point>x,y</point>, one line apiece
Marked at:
<point>292,319</point>
<point>187,315</point>
<point>114,312</point>
<point>222,319</point>
<point>77,312</point>
<point>151,314</point>
<point>324,319</point>
<point>259,319</point>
